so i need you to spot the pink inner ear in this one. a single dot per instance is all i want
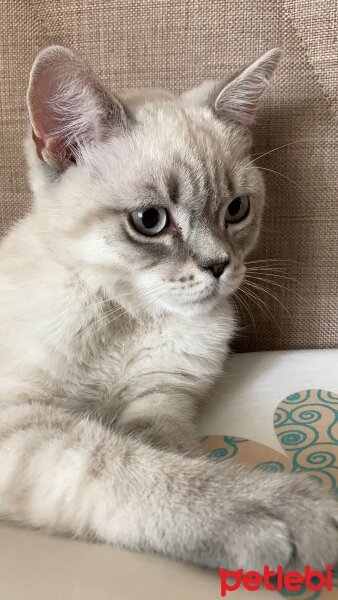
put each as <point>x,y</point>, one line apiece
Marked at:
<point>239,99</point>
<point>68,107</point>
<point>42,97</point>
<point>239,102</point>
<point>39,144</point>
<point>48,113</point>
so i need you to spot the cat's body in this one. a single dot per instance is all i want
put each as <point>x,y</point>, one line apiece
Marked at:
<point>116,321</point>
<point>72,355</point>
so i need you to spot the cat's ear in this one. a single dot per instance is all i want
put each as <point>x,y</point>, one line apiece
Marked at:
<point>237,98</point>
<point>68,107</point>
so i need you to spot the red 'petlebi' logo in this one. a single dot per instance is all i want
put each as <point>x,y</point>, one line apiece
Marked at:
<point>291,580</point>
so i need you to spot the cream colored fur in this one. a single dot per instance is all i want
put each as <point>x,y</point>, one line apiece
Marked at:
<point>110,342</point>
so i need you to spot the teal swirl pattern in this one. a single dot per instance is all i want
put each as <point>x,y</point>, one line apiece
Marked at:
<point>230,448</point>
<point>270,466</point>
<point>306,424</point>
<point>297,426</point>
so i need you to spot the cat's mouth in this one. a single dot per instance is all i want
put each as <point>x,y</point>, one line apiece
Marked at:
<point>204,297</point>
<point>198,297</point>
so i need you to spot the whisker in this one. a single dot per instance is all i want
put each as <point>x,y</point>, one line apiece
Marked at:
<point>269,272</point>
<point>265,291</point>
<point>260,303</point>
<point>247,309</point>
<point>271,260</point>
<point>126,293</point>
<point>283,287</point>
<point>270,281</point>
<point>113,311</point>
<point>266,267</point>
<point>278,148</point>
<point>125,312</point>
<point>269,230</point>
<point>282,175</point>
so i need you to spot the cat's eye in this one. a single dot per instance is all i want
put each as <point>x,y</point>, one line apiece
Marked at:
<point>150,221</point>
<point>237,210</point>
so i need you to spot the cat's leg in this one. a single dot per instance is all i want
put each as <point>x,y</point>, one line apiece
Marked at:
<point>76,477</point>
<point>166,421</point>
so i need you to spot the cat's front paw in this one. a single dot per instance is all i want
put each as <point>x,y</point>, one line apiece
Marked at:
<point>311,515</point>
<point>288,521</point>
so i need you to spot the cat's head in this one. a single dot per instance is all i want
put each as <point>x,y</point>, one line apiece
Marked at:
<point>149,191</point>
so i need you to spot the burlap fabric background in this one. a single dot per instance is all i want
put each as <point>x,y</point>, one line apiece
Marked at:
<point>176,44</point>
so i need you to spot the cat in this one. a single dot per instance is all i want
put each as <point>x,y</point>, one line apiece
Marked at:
<point>116,318</point>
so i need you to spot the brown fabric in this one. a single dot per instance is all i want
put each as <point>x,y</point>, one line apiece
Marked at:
<point>176,44</point>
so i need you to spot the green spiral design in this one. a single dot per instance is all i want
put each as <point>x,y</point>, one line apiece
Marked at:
<point>295,425</point>
<point>321,477</point>
<point>293,438</point>
<point>280,417</point>
<point>298,397</point>
<point>230,449</point>
<point>305,415</point>
<point>294,435</point>
<point>219,453</point>
<point>327,397</point>
<point>272,466</point>
<point>316,459</point>
<point>332,430</point>
<point>324,459</point>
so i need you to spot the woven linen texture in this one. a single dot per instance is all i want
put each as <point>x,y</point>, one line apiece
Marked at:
<point>175,44</point>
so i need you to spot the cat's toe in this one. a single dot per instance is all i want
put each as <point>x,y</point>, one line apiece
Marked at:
<point>269,545</point>
<point>312,518</point>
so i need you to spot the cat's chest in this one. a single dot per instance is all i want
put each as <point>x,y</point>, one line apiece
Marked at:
<point>170,345</point>
<point>164,346</point>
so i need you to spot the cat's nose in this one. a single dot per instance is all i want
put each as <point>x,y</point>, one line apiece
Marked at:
<point>217,269</point>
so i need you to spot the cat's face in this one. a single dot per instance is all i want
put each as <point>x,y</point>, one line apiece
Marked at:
<point>179,207</point>
<point>158,194</point>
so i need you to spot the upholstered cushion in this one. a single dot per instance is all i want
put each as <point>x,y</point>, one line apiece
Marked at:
<point>176,44</point>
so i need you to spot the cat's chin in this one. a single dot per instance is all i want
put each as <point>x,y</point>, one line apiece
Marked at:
<point>190,307</point>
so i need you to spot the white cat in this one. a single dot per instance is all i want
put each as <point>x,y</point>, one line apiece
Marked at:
<point>115,322</point>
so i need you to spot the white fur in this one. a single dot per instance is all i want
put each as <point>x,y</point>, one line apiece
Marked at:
<point>109,344</point>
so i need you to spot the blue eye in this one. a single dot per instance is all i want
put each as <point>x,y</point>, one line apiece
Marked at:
<point>151,221</point>
<point>237,210</point>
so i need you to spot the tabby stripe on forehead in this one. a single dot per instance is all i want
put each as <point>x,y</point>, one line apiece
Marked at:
<point>204,156</point>
<point>173,187</point>
<point>218,171</point>
<point>189,173</point>
<point>210,190</point>
<point>215,171</point>
<point>208,141</point>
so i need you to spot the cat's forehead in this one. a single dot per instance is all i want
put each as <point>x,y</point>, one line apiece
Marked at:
<point>175,125</point>
<point>173,155</point>
<point>194,182</point>
<point>188,157</point>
